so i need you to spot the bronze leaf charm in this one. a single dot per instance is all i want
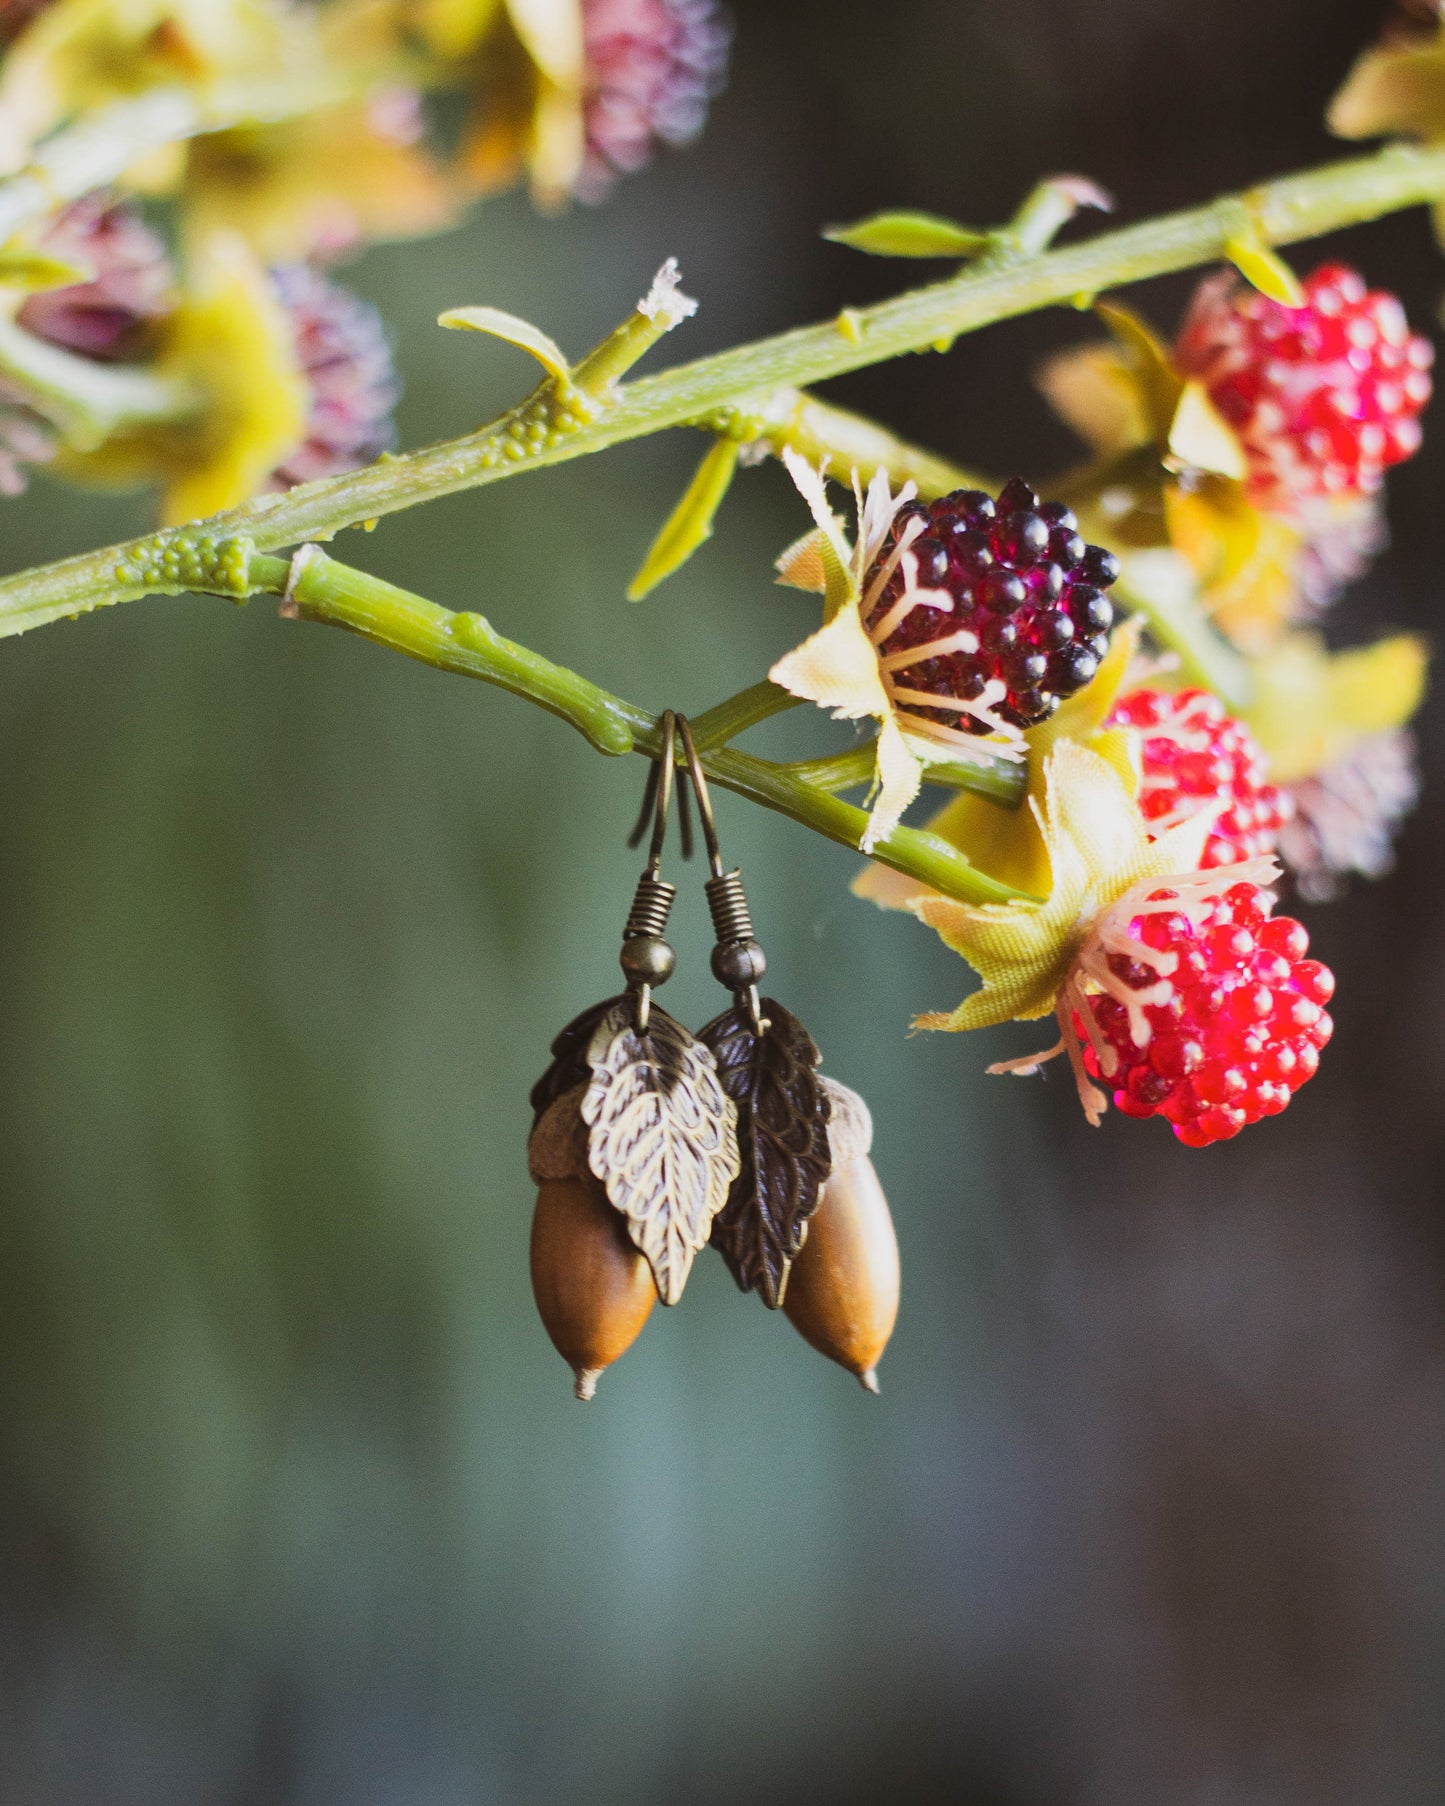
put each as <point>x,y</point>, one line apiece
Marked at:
<point>783,1112</point>
<point>569,1066</point>
<point>663,1137</point>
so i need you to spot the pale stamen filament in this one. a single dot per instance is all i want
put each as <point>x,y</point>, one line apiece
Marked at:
<point>914,530</point>
<point>965,640</point>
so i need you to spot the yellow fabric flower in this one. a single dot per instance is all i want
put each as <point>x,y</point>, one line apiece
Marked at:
<point>528,72</point>
<point>1008,844</point>
<point>1310,706</point>
<point>230,339</point>
<point>1037,958</point>
<point>840,667</point>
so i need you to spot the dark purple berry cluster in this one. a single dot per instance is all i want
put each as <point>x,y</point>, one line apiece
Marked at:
<point>1028,622</point>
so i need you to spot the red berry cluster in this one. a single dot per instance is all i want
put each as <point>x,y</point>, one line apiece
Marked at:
<point>1228,1020</point>
<point>1194,754</point>
<point>996,604</point>
<point>1323,396</point>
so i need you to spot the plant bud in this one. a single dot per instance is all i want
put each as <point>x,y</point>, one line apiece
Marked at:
<point>594,1291</point>
<point>842,1292</point>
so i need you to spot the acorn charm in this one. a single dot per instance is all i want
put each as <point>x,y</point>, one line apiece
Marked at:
<point>634,1143</point>
<point>843,1290</point>
<point>594,1291</point>
<point>649,1141</point>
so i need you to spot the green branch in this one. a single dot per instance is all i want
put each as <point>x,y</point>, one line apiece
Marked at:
<point>317,588</point>
<point>550,428</point>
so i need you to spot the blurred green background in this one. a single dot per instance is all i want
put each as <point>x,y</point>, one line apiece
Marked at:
<point>295,1503</point>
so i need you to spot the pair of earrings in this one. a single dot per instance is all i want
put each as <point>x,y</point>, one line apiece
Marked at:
<point>648,1142</point>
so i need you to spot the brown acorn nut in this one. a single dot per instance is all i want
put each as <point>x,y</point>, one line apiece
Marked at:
<point>594,1291</point>
<point>842,1292</point>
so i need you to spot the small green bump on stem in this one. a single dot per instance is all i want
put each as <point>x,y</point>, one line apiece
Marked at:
<point>182,560</point>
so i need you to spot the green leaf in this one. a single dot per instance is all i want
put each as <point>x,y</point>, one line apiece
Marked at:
<point>1266,270</point>
<point>690,522</point>
<point>32,270</point>
<point>515,331</point>
<point>905,234</point>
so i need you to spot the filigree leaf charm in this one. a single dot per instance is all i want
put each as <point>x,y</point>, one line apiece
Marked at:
<point>663,1137</point>
<point>569,1058</point>
<point>783,1111</point>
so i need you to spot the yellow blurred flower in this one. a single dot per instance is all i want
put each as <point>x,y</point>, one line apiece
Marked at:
<point>82,54</point>
<point>231,340</point>
<point>526,62</point>
<point>1396,90</point>
<point>1310,706</point>
<point>1171,474</point>
<point>322,183</point>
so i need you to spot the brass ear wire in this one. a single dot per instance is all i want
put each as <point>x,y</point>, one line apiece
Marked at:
<point>647,960</point>
<point>737,960</point>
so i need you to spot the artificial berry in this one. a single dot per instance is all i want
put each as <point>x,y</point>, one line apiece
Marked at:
<point>1324,396</point>
<point>1015,605</point>
<point>1194,754</point>
<point>650,69</point>
<point>1225,1039</point>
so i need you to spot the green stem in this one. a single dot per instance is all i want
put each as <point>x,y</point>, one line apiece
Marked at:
<point>319,589</point>
<point>913,851</point>
<point>1002,781</point>
<point>1181,627</point>
<point>840,441</point>
<point>724,722</point>
<point>843,771</point>
<point>542,432</point>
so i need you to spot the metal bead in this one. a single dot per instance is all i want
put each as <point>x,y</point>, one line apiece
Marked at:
<point>647,959</point>
<point>738,964</point>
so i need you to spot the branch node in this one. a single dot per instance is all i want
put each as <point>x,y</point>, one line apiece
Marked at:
<point>301,559</point>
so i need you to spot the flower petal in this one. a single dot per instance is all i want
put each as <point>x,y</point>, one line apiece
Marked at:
<point>899,777</point>
<point>837,668</point>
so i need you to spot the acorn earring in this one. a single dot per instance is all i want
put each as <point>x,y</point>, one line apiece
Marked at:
<point>634,1142</point>
<point>806,1224</point>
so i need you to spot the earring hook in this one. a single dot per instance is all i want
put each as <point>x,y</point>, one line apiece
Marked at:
<point>647,960</point>
<point>700,790</point>
<point>737,960</point>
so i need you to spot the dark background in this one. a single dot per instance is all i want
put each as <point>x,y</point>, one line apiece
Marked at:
<point>296,1508</point>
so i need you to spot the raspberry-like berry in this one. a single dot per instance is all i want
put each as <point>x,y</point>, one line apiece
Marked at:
<point>652,67</point>
<point>342,349</point>
<point>1194,754</point>
<point>1325,396</point>
<point>988,611</point>
<point>1218,1022</point>
<point>109,316</point>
